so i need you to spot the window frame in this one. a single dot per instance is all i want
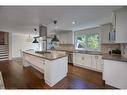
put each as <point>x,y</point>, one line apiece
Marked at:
<point>86,48</point>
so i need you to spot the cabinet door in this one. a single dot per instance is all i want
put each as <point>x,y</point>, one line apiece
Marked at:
<point>79,59</point>
<point>94,63</point>
<point>36,61</point>
<point>105,29</point>
<point>121,26</point>
<point>99,63</point>
<point>87,60</point>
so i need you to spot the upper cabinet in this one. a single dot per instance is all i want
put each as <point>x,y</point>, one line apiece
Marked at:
<point>116,32</point>
<point>65,37</point>
<point>121,26</point>
<point>105,30</point>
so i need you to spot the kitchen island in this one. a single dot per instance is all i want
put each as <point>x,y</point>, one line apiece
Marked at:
<point>54,64</point>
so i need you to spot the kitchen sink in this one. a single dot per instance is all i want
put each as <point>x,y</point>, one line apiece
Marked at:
<point>42,52</point>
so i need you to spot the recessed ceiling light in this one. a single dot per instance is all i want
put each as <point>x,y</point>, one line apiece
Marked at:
<point>73,22</point>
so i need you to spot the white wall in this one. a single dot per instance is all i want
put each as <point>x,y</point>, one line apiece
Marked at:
<point>19,43</point>
<point>65,37</point>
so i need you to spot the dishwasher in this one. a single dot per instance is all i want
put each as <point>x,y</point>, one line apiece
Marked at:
<point>70,58</point>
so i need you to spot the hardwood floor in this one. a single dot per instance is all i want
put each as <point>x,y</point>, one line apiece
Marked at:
<point>15,76</point>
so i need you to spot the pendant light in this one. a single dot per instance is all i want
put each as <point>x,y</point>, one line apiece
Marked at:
<point>35,38</point>
<point>55,39</point>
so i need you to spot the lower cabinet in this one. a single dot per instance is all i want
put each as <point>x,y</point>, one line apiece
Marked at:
<point>37,62</point>
<point>93,62</point>
<point>114,73</point>
<point>97,62</point>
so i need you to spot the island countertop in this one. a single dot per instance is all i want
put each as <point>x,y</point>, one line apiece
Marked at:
<point>49,56</point>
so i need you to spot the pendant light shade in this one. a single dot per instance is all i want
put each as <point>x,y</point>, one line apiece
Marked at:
<point>35,40</point>
<point>55,39</point>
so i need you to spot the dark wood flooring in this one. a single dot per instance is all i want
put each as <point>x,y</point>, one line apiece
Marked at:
<point>15,76</point>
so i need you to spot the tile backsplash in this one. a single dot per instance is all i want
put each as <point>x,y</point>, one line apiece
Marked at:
<point>66,47</point>
<point>106,47</point>
<point>124,49</point>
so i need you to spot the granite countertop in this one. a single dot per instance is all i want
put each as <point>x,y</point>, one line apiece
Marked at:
<point>114,57</point>
<point>80,51</point>
<point>49,56</point>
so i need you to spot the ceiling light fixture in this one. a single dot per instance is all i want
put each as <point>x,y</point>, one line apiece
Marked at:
<point>73,22</point>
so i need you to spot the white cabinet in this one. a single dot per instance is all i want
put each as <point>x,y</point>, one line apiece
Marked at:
<point>97,62</point>
<point>121,26</point>
<point>54,70</point>
<point>78,59</point>
<point>87,61</point>
<point>37,62</point>
<point>93,62</point>
<point>114,73</point>
<point>105,29</point>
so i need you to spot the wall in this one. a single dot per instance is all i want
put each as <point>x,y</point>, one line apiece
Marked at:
<point>68,47</point>
<point>106,47</point>
<point>88,31</point>
<point>19,43</point>
<point>1,38</point>
<point>65,37</point>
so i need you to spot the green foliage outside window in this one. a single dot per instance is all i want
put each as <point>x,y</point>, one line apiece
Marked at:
<point>90,41</point>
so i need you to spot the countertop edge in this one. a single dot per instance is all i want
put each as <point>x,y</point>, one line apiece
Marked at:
<point>45,57</point>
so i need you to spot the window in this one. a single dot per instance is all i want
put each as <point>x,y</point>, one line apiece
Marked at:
<point>88,42</point>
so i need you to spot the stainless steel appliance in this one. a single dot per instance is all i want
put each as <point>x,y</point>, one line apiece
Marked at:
<point>70,57</point>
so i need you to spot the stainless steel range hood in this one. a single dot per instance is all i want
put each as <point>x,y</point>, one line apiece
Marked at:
<point>42,31</point>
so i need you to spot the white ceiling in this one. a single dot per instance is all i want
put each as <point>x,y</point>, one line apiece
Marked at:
<point>22,19</point>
